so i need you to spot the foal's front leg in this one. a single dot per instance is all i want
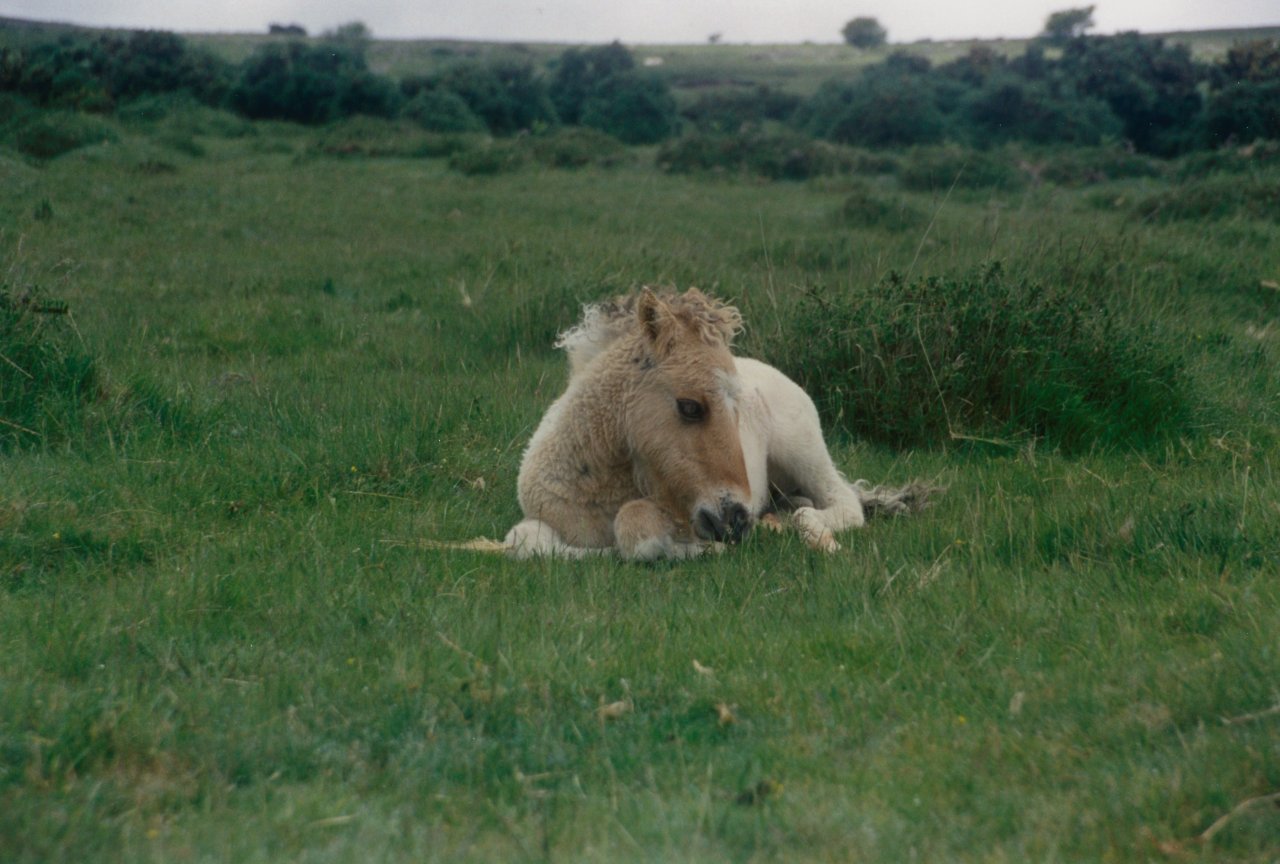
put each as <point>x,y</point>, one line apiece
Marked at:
<point>644,532</point>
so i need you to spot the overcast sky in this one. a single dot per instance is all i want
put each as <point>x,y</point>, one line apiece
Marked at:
<point>645,21</point>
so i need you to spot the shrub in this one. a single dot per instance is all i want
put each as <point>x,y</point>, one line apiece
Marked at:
<point>1244,112</point>
<point>879,110</point>
<point>310,84</point>
<point>45,378</point>
<point>636,108</point>
<point>440,110</point>
<point>731,111</point>
<point>1007,108</point>
<point>56,132</point>
<point>1150,86</point>
<point>925,361</point>
<point>507,96</point>
<point>578,74</point>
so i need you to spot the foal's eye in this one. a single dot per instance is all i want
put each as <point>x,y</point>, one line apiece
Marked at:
<point>690,409</point>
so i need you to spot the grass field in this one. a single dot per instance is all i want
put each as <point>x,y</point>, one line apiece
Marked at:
<point>222,638</point>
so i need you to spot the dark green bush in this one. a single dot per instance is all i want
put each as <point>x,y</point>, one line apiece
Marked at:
<point>507,96</point>
<point>311,84</point>
<point>880,110</point>
<point>1151,86</point>
<point>579,73</point>
<point>53,133</point>
<point>930,360</point>
<point>1006,108</point>
<point>45,377</point>
<point>730,111</point>
<point>934,169</point>
<point>636,108</point>
<point>1244,112</point>
<point>97,72</point>
<point>440,110</point>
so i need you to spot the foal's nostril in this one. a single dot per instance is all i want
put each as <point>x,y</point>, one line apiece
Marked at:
<point>737,522</point>
<point>707,524</point>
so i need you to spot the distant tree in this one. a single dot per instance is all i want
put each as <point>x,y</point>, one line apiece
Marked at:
<point>287,30</point>
<point>307,83</point>
<point>351,32</point>
<point>602,88</point>
<point>864,33</point>
<point>714,38</point>
<point>1063,26</point>
<point>508,96</point>
<point>580,71</point>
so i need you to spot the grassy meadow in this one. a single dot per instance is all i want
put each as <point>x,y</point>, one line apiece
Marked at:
<point>223,638</point>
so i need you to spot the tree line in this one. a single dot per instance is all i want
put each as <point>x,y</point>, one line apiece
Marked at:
<point>1079,90</point>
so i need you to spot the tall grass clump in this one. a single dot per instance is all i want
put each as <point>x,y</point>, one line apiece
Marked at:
<point>54,133</point>
<point>1216,197</point>
<point>46,378</point>
<point>775,155</point>
<point>917,362</point>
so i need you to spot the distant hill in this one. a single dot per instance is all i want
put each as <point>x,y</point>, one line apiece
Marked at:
<point>795,68</point>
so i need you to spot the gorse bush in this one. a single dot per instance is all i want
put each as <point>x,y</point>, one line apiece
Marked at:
<point>311,84</point>
<point>928,360</point>
<point>96,73</point>
<point>440,110</point>
<point>507,96</point>
<point>45,377</point>
<point>730,111</point>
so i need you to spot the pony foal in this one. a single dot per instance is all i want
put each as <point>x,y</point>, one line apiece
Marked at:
<point>664,444</point>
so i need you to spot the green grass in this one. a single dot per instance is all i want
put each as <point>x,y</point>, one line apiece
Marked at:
<point>222,639</point>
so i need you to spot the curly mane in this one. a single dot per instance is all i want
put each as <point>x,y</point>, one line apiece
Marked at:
<point>603,323</point>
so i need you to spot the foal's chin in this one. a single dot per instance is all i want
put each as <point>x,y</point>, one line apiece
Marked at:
<point>724,520</point>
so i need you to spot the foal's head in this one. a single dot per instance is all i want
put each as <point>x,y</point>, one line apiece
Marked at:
<point>683,431</point>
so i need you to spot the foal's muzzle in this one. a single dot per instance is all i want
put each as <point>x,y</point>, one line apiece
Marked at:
<point>728,523</point>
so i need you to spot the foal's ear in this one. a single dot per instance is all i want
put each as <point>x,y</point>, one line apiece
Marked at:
<point>651,312</point>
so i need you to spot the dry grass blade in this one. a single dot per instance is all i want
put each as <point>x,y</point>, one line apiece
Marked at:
<point>1225,819</point>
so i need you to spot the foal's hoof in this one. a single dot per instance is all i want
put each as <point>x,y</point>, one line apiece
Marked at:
<point>823,542</point>
<point>771,522</point>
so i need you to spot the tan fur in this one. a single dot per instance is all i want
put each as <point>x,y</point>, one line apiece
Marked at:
<point>616,436</point>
